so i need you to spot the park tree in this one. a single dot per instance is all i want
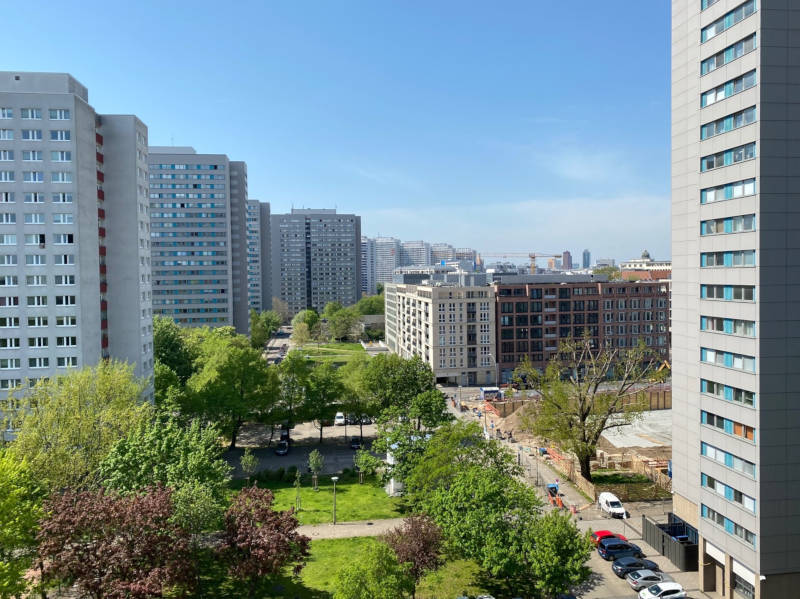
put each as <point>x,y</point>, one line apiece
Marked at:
<point>586,391</point>
<point>394,381</point>
<point>19,513</point>
<point>342,323</point>
<point>115,546</point>
<point>324,391</point>
<point>366,464</point>
<point>234,383</point>
<point>331,308</point>
<point>69,423</point>
<point>309,317</point>
<point>294,374</point>
<point>170,347</point>
<point>452,447</point>
<point>556,553</point>
<point>301,334</point>
<point>417,543</point>
<point>316,462</point>
<point>260,542</point>
<point>163,452</point>
<point>612,272</point>
<point>376,574</point>
<point>262,327</point>
<point>482,517</point>
<point>370,304</point>
<point>404,442</point>
<point>281,308</point>
<point>428,410</point>
<point>167,387</point>
<point>357,399</point>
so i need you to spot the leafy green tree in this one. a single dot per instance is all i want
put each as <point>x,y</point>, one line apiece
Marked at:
<point>294,373</point>
<point>331,308</point>
<point>370,304</point>
<point>169,390</point>
<point>483,516</point>
<point>556,553</point>
<point>586,391</point>
<point>376,574</point>
<point>309,317</point>
<point>380,288</point>
<point>612,272</point>
<point>281,308</point>
<point>428,410</point>
<point>19,512</point>
<point>404,442</point>
<point>316,462</point>
<point>452,447</point>
<point>234,383</point>
<point>301,335</point>
<point>357,399</point>
<point>170,347</point>
<point>248,463</point>
<point>69,423</point>
<point>197,509</point>
<point>262,327</point>
<point>366,464</point>
<point>394,381</point>
<point>342,324</point>
<point>417,543</point>
<point>324,391</point>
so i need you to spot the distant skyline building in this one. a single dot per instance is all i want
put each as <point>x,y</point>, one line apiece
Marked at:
<point>442,252</point>
<point>466,254</point>
<point>587,259</point>
<point>316,258</point>
<point>566,260</point>
<point>369,282</point>
<point>198,203</point>
<point>415,253</point>
<point>387,258</point>
<point>75,266</point>
<point>259,297</point>
<point>605,262</point>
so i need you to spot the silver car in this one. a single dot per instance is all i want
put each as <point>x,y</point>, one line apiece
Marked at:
<point>641,579</point>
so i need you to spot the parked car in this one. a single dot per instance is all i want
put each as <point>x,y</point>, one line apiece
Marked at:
<point>339,419</point>
<point>285,435</point>
<point>366,419</point>
<point>641,579</point>
<point>356,443</point>
<point>282,448</point>
<point>623,565</point>
<point>599,535</point>
<point>610,504</point>
<point>611,549</point>
<point>350,419</point>
<point>663,590</point>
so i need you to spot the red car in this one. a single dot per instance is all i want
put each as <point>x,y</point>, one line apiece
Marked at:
<point>599,535</point>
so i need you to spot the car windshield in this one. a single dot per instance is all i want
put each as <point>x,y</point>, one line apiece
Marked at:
<point>635,575</point>
<point>655,589</point>
<point>614,504</point>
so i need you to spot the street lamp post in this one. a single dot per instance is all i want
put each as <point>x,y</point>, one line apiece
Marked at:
<point>334,479</point>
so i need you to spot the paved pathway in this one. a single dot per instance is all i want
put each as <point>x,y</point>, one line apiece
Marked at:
<point>343,530</point>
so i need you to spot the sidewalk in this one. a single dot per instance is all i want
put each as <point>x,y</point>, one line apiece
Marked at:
<point>344,530</point>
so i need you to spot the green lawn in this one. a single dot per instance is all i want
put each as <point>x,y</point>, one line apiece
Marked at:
<point>628,486</point>
<point>329,556</point>
<point>353,501</point>
<point>615,477</point>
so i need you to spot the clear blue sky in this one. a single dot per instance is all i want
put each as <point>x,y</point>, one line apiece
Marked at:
<point>530,125</point>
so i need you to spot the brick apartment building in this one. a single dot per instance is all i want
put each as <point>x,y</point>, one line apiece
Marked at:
<point>535,312</point>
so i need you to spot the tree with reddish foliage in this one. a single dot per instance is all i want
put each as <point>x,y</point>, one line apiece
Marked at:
<point>259,541</point>
<point>114,546</point>
<point>417,542</point>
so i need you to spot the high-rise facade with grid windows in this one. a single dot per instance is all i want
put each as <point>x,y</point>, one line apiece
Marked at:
<point>735,300</point>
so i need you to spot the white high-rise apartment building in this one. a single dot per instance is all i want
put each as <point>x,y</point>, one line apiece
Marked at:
<point>369,283</point>
<point>259,296</point>
<point>75,281</point>
<point>441,253</point>
<point>415,253</point>
<point>198,205</point>
<point>387,258</point>
<point>735,299</point>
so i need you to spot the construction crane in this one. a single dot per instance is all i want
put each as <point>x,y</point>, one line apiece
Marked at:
<point>532,256</point>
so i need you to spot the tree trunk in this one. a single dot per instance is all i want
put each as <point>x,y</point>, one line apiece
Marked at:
<point>314,478</point>
<point>321,426</point>
<point>586,471</point>
<point>361,430</point>
<point>235,433</point>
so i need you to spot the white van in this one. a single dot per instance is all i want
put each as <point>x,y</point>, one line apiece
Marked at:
<point>610,504</point>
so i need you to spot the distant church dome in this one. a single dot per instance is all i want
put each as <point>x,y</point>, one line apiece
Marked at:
<point>646,255</point>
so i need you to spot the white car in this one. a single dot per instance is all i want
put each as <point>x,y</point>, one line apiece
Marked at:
<point>338,420</point>
<point>663,590</point>
<point>609,503</point>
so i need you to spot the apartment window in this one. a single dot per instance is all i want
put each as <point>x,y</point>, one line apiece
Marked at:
<point>728,492</point>
<point>35,259</point>
<point>728,55</point>
<point>728,426</point>
<point>37,321</point>
<point>732,259</point>
<point>59,114</point>
<point>6,113</point>
<point>728,459</point>
<point>8,259</point>
<point>728,157</point>
<point>9,322</point>
<point>65,279</point>
<point>34,218</point>
<point>34,198</point>
<point>728,123</point>
<point>36,280</point>
<point>37,300</point>
<point>66,321</point>
<point>64,259</point>
<point>38,342</point>
<point>729,525</point>
<point>60,156</point>
<point>732,224</point>
<point>10,343</point>
<point>743,587</point>
<point>64,238</point>
<point>33,176</point>
<point>62,198</point>
<point>66,341</point>
<point>9,363</point>
<point>728,20</point>
<point>34,239</point>
<point>6,134</point>
<point>32,134</point>
<point>7,177</point>
<point>32,155</point>
<point>728,89</point>
<point>7,197</point>
<point>8,239</point>
<point>8,218</point>
<point>65,300</point>
<point>6,155</point>
<point>729,326</point>
<point>66,361</point>
<point>60,135</point>
<point>30,113</point>
<point>61,177</point>
<point>8,301</point>
<point>728,359</point>
<point>63,218</point>
<point>38,362</point>
<point>720,391</point>
<point>737,293</point>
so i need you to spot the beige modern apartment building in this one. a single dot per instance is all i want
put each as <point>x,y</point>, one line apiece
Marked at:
<point>450,327</point>
<point>736,290</point>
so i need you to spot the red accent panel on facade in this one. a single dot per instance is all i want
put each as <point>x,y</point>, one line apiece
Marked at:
<point>103,287</point>
<point>103,305</point>
<point>101,195</point>
<point>104,324</point>
<point>104,342</point>
<point>99,157</point>
<point>102,250</point>
<point>102,269</point>
<point>101,231</point>
<point>98,138</point>
<point>101,213</point>
<point>100,176</point>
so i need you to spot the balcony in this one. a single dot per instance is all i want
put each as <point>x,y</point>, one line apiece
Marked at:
<point>100,176</point>
<point>103,287</point>
<point>550,336</point>
<point>550,309</point>
<point>101,213</point>
<point>103,324</point>
<point>549,296</point>
<point>101,231</point>
<point>102,250</point>
<point>101,195</point>
<point>98,138</point>
<point>102,269</point>
<point>99,157</point>
<point>104,342</point>
<point>103,305</point>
